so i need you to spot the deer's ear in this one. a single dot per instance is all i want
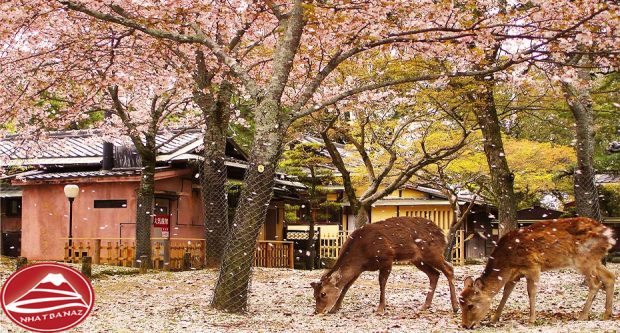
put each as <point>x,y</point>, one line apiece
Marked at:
<point>469,282</point>
<point>315,285</point>
<point>335,277</point>
<point>478,284</point>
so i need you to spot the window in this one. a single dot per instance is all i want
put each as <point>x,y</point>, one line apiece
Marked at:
<point>13,207</point>
<point>110,203</point>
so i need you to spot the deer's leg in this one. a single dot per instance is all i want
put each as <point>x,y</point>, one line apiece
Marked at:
<point>448,271</point>
<point>532,286</point>
<point>594,285</point>
<point>433,276</point>
<point>608,278</point>
<point>508,288</point>
<point>384,273</point>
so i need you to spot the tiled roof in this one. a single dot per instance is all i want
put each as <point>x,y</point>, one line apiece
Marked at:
<point>86,147</point>
<point>80,174</point>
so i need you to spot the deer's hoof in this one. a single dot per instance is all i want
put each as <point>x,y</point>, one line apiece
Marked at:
<point>606,316</point>
<point>380,311</point>
<point>455,310</point>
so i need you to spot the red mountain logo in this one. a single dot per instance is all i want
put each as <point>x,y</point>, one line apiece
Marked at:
<point>47,297</point>
<point>52,293</point>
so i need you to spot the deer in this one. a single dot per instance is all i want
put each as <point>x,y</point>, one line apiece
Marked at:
<point>377,246</point>
<point>579,243</point>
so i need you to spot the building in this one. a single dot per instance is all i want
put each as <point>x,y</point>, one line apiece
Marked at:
<point>35,209</point>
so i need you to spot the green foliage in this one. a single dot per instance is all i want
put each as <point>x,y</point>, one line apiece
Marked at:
<point>610,201</point>
<point>607,105</point>
<point>536,166</point>
<point>290,213</point>
<point>308,162</point>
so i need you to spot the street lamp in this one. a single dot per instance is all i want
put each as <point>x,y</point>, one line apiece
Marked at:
<point>71,192</point>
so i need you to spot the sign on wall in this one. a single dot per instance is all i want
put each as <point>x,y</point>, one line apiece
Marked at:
<point>161,221</point>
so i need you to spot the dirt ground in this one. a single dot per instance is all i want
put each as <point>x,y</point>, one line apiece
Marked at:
<point>281,301</point>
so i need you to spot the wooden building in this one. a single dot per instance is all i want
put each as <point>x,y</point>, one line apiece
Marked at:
<point>35,209</point>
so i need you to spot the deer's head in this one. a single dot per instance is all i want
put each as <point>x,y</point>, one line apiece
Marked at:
<point>474,303</point>
<point>326,292</point>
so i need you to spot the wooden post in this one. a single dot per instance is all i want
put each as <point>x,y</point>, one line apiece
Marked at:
<point>462,248</point>
<point>187,262</point>
<point>166,265</point>
<point>87,267</point>
<point>21,262</point>
<point>269,255</point>
<point>143,264</point>
<point>97,252</point>
<point>291,255</point>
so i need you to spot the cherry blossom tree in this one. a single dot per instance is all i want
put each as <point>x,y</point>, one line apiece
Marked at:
<point>54,79</point>
<point>285,57</point>
<point>392,136</point>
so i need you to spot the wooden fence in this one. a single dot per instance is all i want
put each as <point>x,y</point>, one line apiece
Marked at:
<point>274,254</point>
<point>331,243</point>
<point>122,251</point>
<point>458,252</point>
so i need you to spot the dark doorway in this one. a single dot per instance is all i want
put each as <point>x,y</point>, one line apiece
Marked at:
<point>11,244</point>
<point>271,224</point>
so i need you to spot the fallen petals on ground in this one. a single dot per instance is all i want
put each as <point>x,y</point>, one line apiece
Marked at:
<point>281,301</point>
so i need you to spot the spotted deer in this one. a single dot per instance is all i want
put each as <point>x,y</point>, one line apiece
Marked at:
<point>375,247</point>
<point>579,243</point>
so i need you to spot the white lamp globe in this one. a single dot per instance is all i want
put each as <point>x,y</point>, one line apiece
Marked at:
<point>72,191</point>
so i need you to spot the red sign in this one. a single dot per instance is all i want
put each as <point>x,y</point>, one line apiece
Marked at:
<point>161,220</point>
<point>47,297</point>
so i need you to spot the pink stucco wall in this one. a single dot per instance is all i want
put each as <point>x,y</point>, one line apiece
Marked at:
<point>45,210</point>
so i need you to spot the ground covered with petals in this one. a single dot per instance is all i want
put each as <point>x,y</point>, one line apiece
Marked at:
<point>281,301</point>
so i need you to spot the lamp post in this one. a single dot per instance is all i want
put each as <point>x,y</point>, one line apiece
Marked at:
<point>71,192</point>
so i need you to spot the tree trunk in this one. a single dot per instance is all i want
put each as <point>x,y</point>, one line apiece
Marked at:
<point>502,180</point>
<point>214,196</point>
<point>231,290</point>
<point>215,106</point>
<point>144,210</point>
<point>586,193</point>
<point>362,216</point>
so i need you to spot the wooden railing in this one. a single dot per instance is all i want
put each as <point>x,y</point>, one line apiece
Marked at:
<point>122,251</point>
<point>331,243</point>
<point>167,254</point>
<point>274,254</point>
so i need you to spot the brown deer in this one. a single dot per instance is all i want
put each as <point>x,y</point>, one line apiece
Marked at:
<point>375,247</point>
<point>580,243</point>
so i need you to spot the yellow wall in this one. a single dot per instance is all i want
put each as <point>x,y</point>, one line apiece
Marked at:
<point>380,213</point>
<point>332,196</point>
<point>441,215</point>
<point>325,229</point>
<point>406,193</point>
<point>409,193</point>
